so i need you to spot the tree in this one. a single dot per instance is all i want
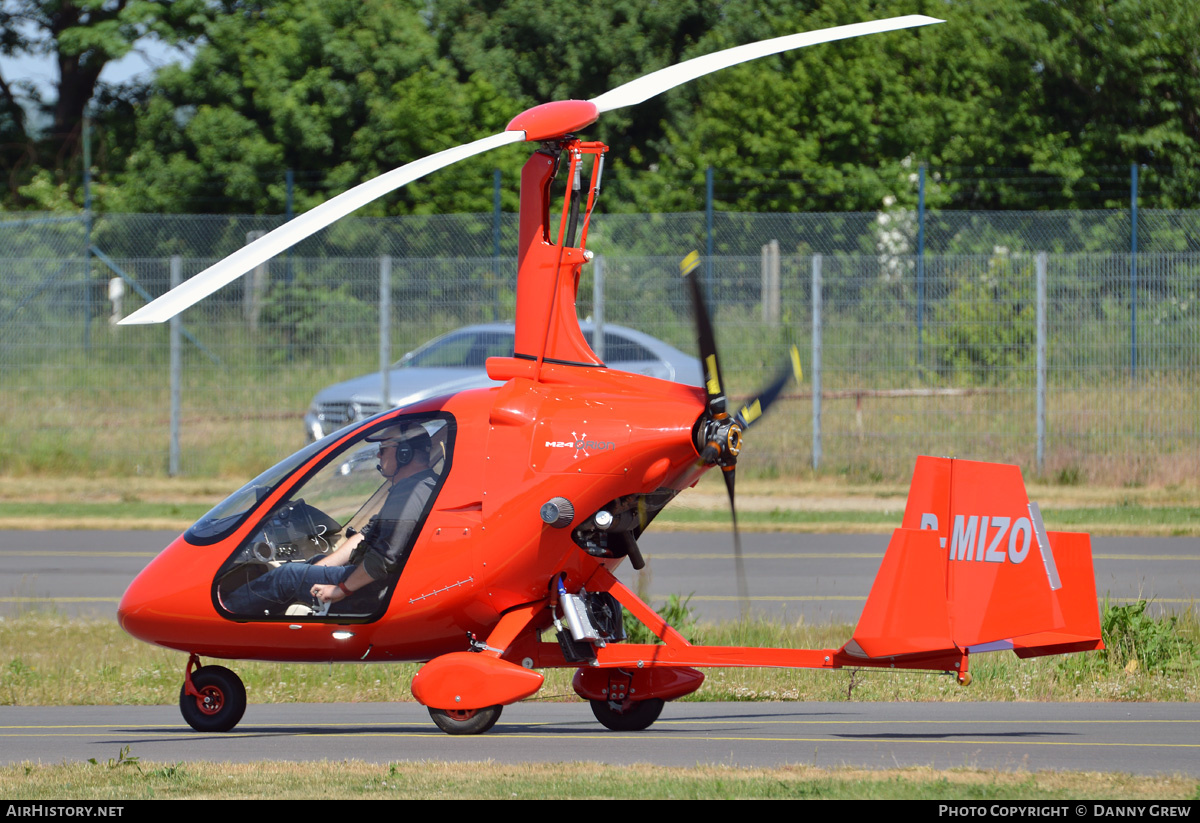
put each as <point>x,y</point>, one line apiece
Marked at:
<point>536,51</point>
<point>340,90</point>
<point>83,36</point>
<point>1015,103</point>
<point>1020,104</point>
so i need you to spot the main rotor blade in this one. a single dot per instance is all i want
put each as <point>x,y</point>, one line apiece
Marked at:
<point>312,221</point>
<point>637,91</point>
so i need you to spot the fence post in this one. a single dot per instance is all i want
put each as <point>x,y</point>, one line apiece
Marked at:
<point>708,232</point>
<point>920,266</point>
<point>496,215</point>
<point>385,329</point>
<point>497,219</point>
<point>770,283</point>
<point>176,325</point>
<point>1041,362</point>
<point>254,286</point>
<point>87,231</point>
<point>1133,250</point>
<point>289,212</point>
<point>816,361</point>
<point>598,306</point>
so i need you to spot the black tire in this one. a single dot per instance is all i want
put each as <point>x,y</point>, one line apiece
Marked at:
<point>465,721</point>
<point>640,715</point>
<point>221,704</point>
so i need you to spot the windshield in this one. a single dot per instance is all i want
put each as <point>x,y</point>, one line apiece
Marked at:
<point>228,514</point>
<point>460,349</point>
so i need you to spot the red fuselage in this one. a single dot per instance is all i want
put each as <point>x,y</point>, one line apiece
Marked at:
<point>483,549</point>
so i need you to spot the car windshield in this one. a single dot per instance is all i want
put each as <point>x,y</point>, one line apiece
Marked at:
<point>618,349</point>
<point>463,349</point>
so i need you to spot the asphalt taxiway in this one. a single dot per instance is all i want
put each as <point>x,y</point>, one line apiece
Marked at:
<point>820,577</point>
<point>1137,738</point>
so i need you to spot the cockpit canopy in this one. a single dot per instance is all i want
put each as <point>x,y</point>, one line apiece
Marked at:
<point>334,490</point>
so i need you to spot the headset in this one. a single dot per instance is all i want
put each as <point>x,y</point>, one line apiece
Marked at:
<point>404,451</point>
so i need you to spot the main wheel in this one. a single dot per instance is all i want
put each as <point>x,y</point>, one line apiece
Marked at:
<point>638,716</point>
<point>221,703</point>
<point>465,721</point>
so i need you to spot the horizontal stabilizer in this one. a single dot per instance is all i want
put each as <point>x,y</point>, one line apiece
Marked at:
<point>907,610</point>
<point>1075,601</point>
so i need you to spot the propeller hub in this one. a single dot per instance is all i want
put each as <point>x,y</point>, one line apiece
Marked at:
<point>719,440</point>
<point>733,439</point>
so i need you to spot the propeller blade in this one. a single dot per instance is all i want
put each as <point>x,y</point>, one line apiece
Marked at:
<point>714,386</point>
<point>655,83</point>
<point>291,233</point>
<point>743,591</point>
<point>757,407</point>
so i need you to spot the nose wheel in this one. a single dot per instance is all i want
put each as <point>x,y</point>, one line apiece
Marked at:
<point>212,698</point>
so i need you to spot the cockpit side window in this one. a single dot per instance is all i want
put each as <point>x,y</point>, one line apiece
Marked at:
<point>362,507</point>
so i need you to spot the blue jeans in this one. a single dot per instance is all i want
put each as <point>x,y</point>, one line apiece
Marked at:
<point>277,589</point>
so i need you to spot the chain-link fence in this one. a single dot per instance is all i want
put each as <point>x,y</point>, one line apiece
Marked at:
<point>935,353</point>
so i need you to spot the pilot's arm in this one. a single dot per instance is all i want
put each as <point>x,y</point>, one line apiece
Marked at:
<point>341,555</point>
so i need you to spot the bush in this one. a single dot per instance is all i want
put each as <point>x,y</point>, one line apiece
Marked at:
<point>983,331</point>
<point>304,319</point>
<point>1155,643</point>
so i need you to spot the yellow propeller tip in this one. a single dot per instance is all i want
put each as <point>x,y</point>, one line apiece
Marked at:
<point>689,264</point>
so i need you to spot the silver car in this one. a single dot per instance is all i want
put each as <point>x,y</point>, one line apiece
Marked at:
<point>455,362</point>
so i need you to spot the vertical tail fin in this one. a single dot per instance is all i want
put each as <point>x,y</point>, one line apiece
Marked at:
<point>971,570</point>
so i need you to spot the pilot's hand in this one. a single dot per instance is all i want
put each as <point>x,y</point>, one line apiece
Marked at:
<point>326,593</point>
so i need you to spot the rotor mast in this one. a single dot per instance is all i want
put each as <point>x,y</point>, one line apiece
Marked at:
<point>549,263</point>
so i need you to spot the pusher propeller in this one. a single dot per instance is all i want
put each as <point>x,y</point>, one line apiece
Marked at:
<point>754,408</point>
<point>713,384</point>
<point>547,122</point>
<point>719,434</point>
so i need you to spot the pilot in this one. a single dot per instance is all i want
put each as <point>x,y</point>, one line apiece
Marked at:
<point>371,555</point>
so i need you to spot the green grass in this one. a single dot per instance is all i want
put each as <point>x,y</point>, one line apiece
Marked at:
<point>47,659</point>
<point>1174,521</point>
<point>763,505</point>
<point>125,777</point>
<point>107,414</point>
<point>41,663</point>
<point>767,520</point>
<point>121,513</point>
